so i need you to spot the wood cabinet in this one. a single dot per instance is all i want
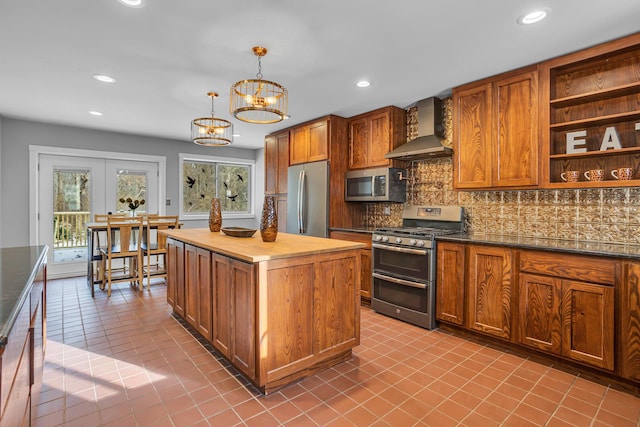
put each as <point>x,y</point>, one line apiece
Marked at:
<point>495,132</point>
<point>365,258</point>
<point>175,276</point>
<point>281,211</point>
<point>197,289</point>
<point>310,142</point>
<point>234,312</point>
<point>489,290</point>
<point>276,159</point>
<point>630,321</point>
<point>450,283</point>
<point>591,111</point>
<point>566,306</point>
<point>374,134</point>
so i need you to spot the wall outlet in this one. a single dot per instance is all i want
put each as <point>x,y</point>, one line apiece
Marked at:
<point>387,210</point>
<point>168,202</point>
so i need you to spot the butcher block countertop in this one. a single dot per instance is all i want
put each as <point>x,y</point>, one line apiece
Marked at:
<point>253,249</point>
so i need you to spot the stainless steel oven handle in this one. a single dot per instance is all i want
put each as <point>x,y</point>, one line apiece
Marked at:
<point>399,281</point>
<point>397,249</point>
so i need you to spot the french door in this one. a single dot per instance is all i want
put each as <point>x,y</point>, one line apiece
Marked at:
<point>72,189</point>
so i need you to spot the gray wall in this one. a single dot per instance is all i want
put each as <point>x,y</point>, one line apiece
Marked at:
<point>16,136</point>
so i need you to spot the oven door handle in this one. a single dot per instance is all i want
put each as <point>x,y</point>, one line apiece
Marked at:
<point>397,249</point>
<point>399,281</point>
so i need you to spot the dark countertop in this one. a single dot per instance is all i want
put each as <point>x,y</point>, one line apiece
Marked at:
<point>18,268</point>
<point>614,250</point>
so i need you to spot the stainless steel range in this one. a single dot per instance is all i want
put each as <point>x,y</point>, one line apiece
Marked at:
<point>404,263</point>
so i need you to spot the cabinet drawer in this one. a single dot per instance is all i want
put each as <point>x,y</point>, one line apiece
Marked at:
<point>575,267</point>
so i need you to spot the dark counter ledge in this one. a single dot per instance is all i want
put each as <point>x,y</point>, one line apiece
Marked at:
<point>18,268</point>
<point>613,250</point>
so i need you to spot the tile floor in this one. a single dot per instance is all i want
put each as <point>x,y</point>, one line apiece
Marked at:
<point>125,361</point>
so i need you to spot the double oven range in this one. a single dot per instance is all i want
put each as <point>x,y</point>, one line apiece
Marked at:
<point>404,263</point>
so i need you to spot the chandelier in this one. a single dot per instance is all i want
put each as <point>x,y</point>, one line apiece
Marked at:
<point>211,131</point>
<point>257,100</point>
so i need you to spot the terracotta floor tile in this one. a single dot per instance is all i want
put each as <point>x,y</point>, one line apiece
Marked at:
<point>125,361</point>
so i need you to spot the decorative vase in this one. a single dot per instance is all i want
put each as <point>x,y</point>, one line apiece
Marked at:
<point>269,222</point>
<point>215,215</point>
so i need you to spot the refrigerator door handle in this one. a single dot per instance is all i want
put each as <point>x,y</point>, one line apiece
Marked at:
<point>302,201</point>
<point>299,202</point>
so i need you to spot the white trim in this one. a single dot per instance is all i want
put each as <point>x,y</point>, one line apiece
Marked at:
<point>36,150</point>
<point>226,160</point>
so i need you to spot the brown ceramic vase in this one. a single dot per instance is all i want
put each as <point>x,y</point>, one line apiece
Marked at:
<point>269,222</point>
<point>215,215</point>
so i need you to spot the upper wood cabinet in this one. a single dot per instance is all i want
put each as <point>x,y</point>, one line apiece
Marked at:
<point>374,134</point>
<point>310,142</point>
<point>276,158</point>
<point>591,111</point>
<point>495,130</point>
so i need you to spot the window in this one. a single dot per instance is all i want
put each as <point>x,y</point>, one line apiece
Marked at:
<point>203,178</point>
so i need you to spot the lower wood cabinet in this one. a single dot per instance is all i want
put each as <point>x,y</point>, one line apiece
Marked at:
<point>175,276</point>
<point>365,258</point>
<point>197,289</point>
<point>450,288</point>
<point>489,290</point>
<point>558,303</point>
<point>630,322</point>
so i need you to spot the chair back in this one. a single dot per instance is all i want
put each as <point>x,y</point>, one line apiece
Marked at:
<point>103,217</point>
<point>159,223</point>
<point>126,231</point>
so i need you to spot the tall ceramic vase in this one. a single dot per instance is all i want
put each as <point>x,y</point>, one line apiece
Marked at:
<point>215,215</point>
<point>269,222</point>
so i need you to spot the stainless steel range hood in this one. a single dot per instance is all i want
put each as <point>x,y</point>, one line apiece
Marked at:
<point>428,144</point>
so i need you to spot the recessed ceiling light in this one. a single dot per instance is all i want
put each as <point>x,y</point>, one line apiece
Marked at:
<point>236,135</point>
<point>131,3</point>
<point>104,78</point>
<point>533,17</point>
<point>95,113</point>
<point>363,83</point>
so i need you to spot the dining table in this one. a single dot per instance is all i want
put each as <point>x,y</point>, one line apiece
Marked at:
<point>93,228</point>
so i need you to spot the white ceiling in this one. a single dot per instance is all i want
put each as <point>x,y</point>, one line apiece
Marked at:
<point>168,54</point>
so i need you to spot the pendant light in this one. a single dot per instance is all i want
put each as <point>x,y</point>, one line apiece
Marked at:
<point>212,131</point>
<point>257,100</point>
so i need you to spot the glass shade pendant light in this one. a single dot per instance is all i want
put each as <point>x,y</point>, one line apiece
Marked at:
<point>258,100</point>
<point>212,131</point>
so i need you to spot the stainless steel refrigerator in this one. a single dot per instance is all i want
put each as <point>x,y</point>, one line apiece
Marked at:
<point>307,199</point>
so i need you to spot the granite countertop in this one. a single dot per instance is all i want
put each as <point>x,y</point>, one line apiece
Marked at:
<point>615,250</point>
<point>253,249</point>
<point>18,268</point>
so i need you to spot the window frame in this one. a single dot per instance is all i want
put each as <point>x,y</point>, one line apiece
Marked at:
<point>183,157</point>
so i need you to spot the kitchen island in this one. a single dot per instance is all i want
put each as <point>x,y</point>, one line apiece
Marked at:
<point>278,311</point>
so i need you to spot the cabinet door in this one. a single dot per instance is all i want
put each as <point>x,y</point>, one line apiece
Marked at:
<point>191,284</point>
<point>630,322</point>
<point>587,323</point>
<point>539,312</point>
<point>450,283</point>
<point>318,141</point>
<point>203,320</point>
<point>243,349</point>
<point>175,276</point>
<point>281,210</point>
<point>516,139</point>
<point>365,273</point>
<point>379,142</point>
<point>283,162</point>
<point>299,145</point>
<point>222,304</point>
<point>489,290</point>
<point>270,165</point>
<point>358,143</point>
<point>472,129</point>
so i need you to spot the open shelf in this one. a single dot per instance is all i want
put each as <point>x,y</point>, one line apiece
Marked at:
<point>629,150</point>
<point>596,121</point>
<point>623,90</point>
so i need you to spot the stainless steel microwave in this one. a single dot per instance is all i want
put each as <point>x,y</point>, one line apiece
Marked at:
<point>376,185</point>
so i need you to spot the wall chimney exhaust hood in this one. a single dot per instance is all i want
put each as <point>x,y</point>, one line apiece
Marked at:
<point>428,144</point>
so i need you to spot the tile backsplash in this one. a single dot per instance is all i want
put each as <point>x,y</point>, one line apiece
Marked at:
<point>609,215</point>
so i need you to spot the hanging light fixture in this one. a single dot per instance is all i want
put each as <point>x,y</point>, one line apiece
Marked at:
<point>257,100</point>
<point>211,131</point>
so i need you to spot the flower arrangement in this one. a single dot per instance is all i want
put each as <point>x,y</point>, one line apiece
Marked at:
<point>133,204</point>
